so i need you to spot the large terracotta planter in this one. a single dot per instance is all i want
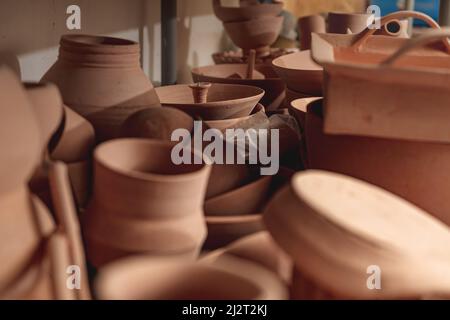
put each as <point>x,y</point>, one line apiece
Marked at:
<point>143,203</point>
<point>416,171</point>
<point>101,79</point>
<point>264,77</point>
<point>142,278</point>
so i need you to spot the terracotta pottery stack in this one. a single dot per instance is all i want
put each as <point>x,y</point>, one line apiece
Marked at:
<point>35,250</point>
<point>101,79</point>
<point>303,77</point>
<point>251,26</point>
<point>236,213</point>
<point>339,229</point>
<point>143,203</point>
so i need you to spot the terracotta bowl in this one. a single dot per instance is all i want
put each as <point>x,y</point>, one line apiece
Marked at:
<point>300,72</point>
<point>264,78</point>
<point>259,248</point>
<point>256,34</point>
<point>226,229</point>
<point>142,278</point>
<point>225,101</point>
<point>241,201</point>
<point>292,95</point>
<point>244,13</point>
<point>258,113</point>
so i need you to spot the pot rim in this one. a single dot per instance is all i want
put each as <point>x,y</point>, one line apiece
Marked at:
<point>104,162</point>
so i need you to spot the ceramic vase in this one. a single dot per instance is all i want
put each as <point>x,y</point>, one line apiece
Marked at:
<point>101,79</point>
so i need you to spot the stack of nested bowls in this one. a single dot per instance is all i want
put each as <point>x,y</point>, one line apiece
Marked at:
<point>303,77</point>
<point>233,208</point>
<point>251,26</point>
<point>143,203</point>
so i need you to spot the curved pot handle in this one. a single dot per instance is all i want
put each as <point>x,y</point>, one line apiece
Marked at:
<point>364,35</point>
<point>431,36</point>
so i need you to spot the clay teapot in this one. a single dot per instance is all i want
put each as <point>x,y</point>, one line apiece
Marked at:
<point>101,79</point>
<point>150,204</point>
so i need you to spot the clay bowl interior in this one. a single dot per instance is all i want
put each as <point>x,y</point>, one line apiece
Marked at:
<point>240,122</point>
<point>142,159</point>
<point>298,109</point>
<point>256,33</point>
<point>300,73</point>
<point>245,200</point>
<point>225,101</point>
<point>145,278</point>
<point>264,77</point>
<point>250,12</point>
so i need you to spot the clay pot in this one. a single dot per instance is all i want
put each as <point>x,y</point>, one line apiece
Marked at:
<point>224,101</point>
<point>148,203</point>
<point>226,177</point>
<point>300,73</point>
<point>244,13</point>
<point>307,25</point>
<point>140,278</point>
<point>101,79</point>
<point>298,109</point>
<point>156,123</point>
<point>49,110</point>
<point>257,116</point>
<point>223,230</point>
<point>345,23</point>
<point>241,201</point>
<point>263,77</point>
<point>258,34</point>
<point>259,248</point>
<point>401,167</point>
<point>319,222</point>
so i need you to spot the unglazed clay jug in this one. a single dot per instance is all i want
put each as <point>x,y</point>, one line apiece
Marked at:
<point>101,78</point>
<point>144,203</point>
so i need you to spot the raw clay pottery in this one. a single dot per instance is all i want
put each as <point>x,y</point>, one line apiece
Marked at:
<point>244,13</point>
<point>344,23</point>
<point>335,227</point>
<point>307,25</point>
<point>101,79</point>
<point>223,101</point>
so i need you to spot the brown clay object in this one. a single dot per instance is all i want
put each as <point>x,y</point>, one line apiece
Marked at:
<point>264,77</point>
<point>224,101</point>
<point>156,123</point>
<point>258,115</point>
<point>151,205</point>
<point>395,28</point>
<point>251,64</point>
<point>200,91</point>
<point>227,177</point>
<point>258,34</point>
<point>339,22</point>
<point>246,12</point>
<point>307,25</point>
<point>101,79</point>
<point>359,225</point>
<point>300,73</point>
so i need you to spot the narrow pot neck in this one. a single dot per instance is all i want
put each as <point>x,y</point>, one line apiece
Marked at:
<point>98,51</point>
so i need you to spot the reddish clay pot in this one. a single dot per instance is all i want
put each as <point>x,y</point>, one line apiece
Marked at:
<point>348,22</point>
<point>141,278</point>
<point>244,13</point>
<point>306,26</point>
<point>227,177</point>
<point>156,123</point>
<point>264,77</point>
<point>258,34</point>
<point>101,79</point>
<point>150,205</point>
<point>258,114</point>
<point>416,171</point>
